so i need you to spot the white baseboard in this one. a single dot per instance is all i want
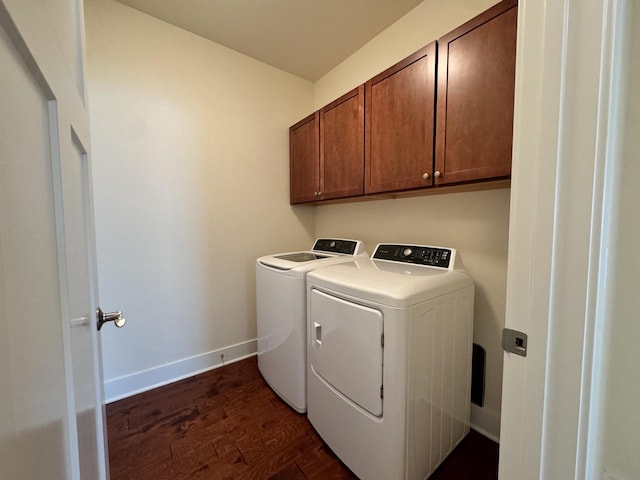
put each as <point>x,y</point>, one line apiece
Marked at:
<point>486,422</point>
<point>138,382</point>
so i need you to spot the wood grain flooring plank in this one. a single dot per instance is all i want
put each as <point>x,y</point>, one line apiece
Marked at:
<point>290,472</point>
<point>227,424</point>
<point>318,462</point>
<point>195,460</point>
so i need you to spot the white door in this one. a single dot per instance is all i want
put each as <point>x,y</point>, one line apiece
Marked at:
<point>567,104</point>
<point>51,406</point>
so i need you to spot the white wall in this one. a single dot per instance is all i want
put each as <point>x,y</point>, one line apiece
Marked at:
<point>190,164</point>
<point>622,415</point>
<point>475,223</point>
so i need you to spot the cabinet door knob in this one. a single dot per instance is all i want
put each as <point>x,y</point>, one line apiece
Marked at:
<point>425,176</point>
<point>436,174</point>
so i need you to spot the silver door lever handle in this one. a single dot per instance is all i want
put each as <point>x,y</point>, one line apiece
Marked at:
<point>115,317</point>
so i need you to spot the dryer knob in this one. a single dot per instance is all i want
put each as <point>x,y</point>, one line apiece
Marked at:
<point>406,252</point>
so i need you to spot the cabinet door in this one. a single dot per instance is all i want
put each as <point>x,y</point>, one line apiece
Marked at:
<point>476,78</point>
<point>342,146</point>
<point>304,157</point>
<point>399,111</point>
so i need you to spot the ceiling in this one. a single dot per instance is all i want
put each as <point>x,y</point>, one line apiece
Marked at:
<point>304,37</point>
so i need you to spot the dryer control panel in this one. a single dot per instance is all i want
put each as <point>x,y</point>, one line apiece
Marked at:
<point>416,254</point>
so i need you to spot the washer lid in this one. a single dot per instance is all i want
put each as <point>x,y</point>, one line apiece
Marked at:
<point>326,251</point>
<point>298,261</point>
<point>389,283</point>
<point>299,257</point>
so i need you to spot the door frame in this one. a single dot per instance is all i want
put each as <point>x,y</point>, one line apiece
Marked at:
<point>563,168</point>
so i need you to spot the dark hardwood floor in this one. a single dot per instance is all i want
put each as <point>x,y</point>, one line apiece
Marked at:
<point>228,424</point>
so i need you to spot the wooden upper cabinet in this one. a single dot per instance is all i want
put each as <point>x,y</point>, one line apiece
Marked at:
<point>399,109</point>
<point>342,146</point>
<point>476,78</point>
<point>304,158</point>
<point>393,134</point>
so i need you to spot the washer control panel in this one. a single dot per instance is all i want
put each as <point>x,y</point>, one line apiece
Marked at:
<point>416,254</point>
<point>337,245</point>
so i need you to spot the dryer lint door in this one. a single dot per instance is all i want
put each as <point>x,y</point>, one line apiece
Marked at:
<point>346,348</point>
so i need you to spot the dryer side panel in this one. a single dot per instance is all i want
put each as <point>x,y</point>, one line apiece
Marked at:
<point>438,398</point>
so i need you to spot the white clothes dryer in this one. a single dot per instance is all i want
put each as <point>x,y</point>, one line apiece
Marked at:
<point>389,359</point>
<point>281,307</point>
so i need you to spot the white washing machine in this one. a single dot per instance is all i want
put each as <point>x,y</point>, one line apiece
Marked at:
<point>281,304</point>
<point>389,359</point>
